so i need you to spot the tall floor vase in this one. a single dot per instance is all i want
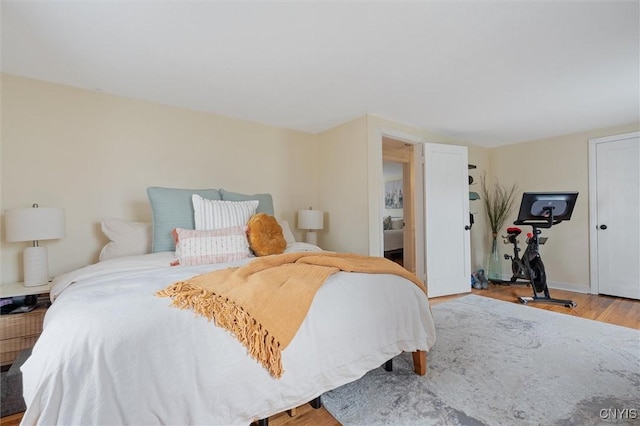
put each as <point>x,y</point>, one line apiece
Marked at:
<point>494,261</point>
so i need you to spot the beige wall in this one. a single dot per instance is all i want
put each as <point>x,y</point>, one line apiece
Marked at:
<point>95,155</point>
<point>556,164</point>
<point>344,189</point>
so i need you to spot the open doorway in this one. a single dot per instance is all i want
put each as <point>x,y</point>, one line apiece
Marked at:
<point>398,222</point>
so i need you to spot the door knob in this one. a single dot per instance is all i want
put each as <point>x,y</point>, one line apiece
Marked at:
<point>603,227</point>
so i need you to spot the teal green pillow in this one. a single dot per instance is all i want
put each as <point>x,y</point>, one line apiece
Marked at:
<point>265,201</point>
<point>172,208</point>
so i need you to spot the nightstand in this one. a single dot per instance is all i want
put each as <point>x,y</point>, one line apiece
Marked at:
<point>20,331</point>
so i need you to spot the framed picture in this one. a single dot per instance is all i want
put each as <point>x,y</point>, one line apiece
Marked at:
<point>393,194</point>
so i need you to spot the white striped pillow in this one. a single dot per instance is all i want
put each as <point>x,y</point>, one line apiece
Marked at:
<point>210,246</point>
<point>218,214</point>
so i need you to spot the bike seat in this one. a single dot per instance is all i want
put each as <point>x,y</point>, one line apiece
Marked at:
<point>514,231</point>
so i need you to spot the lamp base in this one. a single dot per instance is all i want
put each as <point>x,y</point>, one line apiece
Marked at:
<point>311,238</point>
<point>36,266</point>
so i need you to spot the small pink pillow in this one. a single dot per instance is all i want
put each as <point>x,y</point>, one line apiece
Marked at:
<point>199,247</point>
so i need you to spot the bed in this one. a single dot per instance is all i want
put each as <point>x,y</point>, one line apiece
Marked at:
<point>113,352</point>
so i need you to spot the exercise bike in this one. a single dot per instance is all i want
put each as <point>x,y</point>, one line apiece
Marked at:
<point>539,210</point>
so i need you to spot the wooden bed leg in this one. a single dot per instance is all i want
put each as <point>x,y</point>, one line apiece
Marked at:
<point>316,403</point>
<point>420,362</point>
<point>292,412</point>
<point>388,366</point>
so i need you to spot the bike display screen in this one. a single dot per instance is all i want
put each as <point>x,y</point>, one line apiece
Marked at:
<point>542,208</point>
<point>536,206</point>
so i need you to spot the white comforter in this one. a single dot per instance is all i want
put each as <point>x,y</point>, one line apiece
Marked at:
<point>113,353</point>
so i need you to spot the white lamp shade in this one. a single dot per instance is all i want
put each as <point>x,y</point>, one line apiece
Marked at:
<point>33,224</point>
<point>310,219</point>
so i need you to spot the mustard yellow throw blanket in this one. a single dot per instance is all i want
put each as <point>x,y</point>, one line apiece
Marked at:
<point>264,303</point>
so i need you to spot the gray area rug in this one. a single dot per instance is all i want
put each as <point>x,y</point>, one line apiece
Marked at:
<point>501,363</point>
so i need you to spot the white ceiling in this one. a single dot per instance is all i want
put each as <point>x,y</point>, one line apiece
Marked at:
<point>491,73</point>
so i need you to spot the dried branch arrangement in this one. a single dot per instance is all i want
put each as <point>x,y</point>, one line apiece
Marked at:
<point>499,202</point>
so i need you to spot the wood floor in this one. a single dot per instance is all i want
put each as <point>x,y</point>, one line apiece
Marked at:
<point>612,310</point>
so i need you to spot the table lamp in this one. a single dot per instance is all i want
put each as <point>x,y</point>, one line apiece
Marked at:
<point>311,220</point>
<point>34,224</point>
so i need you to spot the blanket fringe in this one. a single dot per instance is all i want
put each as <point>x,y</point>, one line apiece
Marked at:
<point>261,346</point>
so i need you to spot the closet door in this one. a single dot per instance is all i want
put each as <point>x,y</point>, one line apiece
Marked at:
<point>447,236</point>
<point>615,208</point>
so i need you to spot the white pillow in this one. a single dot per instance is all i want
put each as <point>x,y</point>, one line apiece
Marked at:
<point>127,238</point>
<point>210,246</point>
<point>219,214</point>
<point>286,232</point>
<point>397,223</point>
<point>298,247</point>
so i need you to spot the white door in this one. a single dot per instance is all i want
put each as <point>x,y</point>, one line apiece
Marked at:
<point>615,211</point>
<point>447,240</point>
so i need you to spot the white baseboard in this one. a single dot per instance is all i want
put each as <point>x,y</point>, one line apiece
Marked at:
<point>569,287</point>
<point>556,285</point>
